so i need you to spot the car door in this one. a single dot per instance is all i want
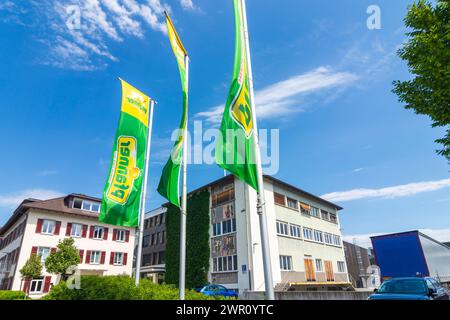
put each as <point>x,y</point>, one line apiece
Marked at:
<point>442,294</point>
<point>432,288</point>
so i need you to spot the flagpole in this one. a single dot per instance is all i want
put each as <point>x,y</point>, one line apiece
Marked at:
<point>261,203</point>
<point>183,211</point>
<point>143,196</point>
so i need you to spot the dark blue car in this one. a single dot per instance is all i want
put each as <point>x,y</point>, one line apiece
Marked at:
<point>410,289</point>
<point>217,290</point>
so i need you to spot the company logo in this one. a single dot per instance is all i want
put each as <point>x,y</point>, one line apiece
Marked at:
<point>138,101</point>
<point>241,110</point>
<point>124,170</point>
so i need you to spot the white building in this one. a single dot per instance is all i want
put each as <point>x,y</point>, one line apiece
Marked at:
<point>304,236</point>
<point>37,226</point>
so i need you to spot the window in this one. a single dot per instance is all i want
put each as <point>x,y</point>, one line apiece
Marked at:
<point>325,215</point>
<point>333,217</point>
<point>86,205</point>
<point>305,208</point>
<point>36,285</point>
<point>146,224</point>
<point>328,238</point>
<point>158,237</point>
<point>43,252</point>
<point>147,259</point>
<point>76,230</point>
<point>228,226</point>
<point>318,236</point>
<point>145,241</point>
<point>315,212</point>
<point>217,229</point>
<point>341,266</point>
<point>292,203</point>
<point>295,231</point>
<point>307,234</point>
<point>319,265</point>
<point>118,258</point>
<point>286,263</point>
<point>95,257</point>
<point>163,218</point>
<point>48,227</point>
<point>336,240</point>
<point>152,242</point>
<point>228,263</point>
<point>98,232</point>
<point>120,235</point>
<point>163,237</point>
<point>161,257</point>
<point>279,199</point>
<point>282,228</point>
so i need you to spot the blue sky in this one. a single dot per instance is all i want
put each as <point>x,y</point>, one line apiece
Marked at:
<point>321,77</point>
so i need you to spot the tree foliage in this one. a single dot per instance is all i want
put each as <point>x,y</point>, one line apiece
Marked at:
<point>32,268</point>
<point>197,241</point>
<point>65,256</point>
<point>427,54</point>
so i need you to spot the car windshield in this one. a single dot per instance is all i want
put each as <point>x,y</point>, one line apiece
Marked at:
<point>403,286</point>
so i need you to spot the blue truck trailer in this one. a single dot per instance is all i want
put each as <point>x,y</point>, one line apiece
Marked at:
<point>411,254</point>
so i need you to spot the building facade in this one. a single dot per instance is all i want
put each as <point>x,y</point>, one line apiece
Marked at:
<point>358,264</point>
<point>154,245</point>
<point>303,230</point>
<point>37,226</point>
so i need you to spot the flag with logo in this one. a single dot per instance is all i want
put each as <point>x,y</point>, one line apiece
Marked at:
<point>235,150</point>
<point>169,183</point>
<point>122,193</point>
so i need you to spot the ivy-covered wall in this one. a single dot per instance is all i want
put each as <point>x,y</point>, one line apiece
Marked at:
<point>197,241</point>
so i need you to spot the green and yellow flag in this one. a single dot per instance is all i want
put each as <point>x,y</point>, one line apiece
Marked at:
<point>235,151</point>
<point>169,183</point>
<point>122,193</point>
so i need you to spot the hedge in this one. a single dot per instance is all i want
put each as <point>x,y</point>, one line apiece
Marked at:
<point>11,295</point>
<point>118,288</point>
<point>197,241</point>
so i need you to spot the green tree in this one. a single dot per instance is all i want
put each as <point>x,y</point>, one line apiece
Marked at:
<point>65,256</point>
<point>32,268</point>
<point>427,54</point>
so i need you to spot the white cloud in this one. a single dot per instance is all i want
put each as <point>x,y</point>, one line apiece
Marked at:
<point>358,169</point>
<point>13,200</point>
<point>363,240</point>
<point>187,4</point>
<point>282,98</point>
<point>388,192</point>
<point>86,47</point>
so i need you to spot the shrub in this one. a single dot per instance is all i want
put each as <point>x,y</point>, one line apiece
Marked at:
<point>11,295</point>
<point>118,288</point>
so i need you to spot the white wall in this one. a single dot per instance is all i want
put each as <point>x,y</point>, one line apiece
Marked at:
<point>437,257</point>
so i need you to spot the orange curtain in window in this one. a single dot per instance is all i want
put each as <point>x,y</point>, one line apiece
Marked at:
<point>309,270</point>
<point>329,270</point>
<point>305,206</point>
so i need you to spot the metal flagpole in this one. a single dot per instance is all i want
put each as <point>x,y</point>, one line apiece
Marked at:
<point>261,204</point>
<point>184,196</point>
<point>143,194</point>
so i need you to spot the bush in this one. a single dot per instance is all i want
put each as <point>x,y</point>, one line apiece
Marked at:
<point>11,295</point>
<point>118,288</point>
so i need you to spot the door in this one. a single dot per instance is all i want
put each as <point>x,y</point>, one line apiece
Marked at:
<point>329,270</point>
<point>309,270</point>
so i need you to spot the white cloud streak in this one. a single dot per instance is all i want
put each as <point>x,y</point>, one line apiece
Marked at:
<point>404,190</point>
<point>13,200</point>
<point>282,98</point>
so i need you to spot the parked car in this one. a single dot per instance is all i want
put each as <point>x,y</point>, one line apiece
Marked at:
<point>410,289</point>
<point>217,290</point>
